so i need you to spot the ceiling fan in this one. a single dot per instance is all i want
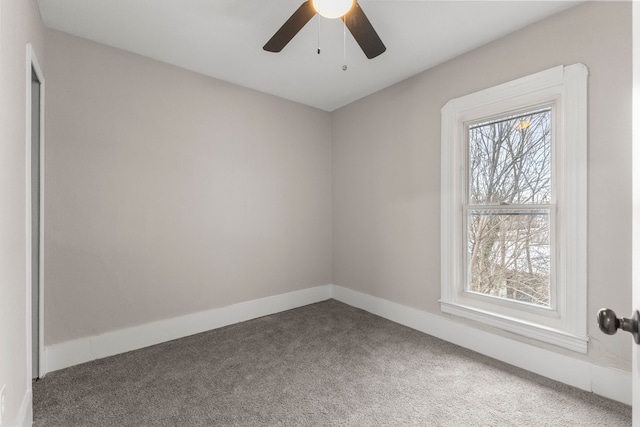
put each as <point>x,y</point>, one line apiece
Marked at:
<point>352,15</point>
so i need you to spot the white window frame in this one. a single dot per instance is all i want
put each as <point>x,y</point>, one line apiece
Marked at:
<point>564,323</point>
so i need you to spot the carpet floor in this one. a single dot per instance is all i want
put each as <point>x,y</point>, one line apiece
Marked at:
<point>324,364</point>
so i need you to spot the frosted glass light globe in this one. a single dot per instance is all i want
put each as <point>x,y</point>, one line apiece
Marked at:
<point>332,8</point>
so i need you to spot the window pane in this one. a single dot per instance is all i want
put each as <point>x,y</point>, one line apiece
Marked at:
<point>510,159</point>
<point>509,254</point>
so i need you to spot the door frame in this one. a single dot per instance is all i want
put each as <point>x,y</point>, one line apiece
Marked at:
<point>635,254</point>
<point>32,63</point>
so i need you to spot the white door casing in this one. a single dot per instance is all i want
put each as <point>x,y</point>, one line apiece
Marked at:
<point>636,206</point>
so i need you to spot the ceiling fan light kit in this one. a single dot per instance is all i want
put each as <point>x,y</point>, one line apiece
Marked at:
<point>354,18</point>
<point>332,9</point>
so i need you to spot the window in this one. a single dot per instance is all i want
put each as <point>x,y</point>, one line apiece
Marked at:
<point>514,206</point>
<point>508,207</point>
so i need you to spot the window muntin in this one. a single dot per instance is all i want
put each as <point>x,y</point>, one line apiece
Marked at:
<point>508,214</point>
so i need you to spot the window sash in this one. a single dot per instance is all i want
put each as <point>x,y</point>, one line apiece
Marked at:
<point>502,210</point>
<point>523,110</point>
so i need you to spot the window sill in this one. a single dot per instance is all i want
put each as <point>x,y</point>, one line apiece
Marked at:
<point>527,329</point>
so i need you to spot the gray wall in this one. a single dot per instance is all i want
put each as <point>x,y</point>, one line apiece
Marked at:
<point>170,193</point>
<point>386,161</point>
<point>20,24</point>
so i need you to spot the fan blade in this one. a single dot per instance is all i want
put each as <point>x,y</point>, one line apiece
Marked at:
<point>290,28</point>
<point>364,33</point>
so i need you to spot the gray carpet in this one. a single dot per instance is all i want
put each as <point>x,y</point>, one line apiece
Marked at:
<point>321,365</point>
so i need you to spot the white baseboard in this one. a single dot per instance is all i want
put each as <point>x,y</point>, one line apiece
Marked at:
<point>608,382</point>
<point>25,413</point>
<point>83,350</point>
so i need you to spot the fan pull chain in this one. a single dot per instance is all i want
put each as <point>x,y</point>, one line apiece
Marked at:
<point>344,45</point>
<point>318,35</point>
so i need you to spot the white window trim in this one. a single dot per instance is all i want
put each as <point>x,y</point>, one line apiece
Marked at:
<point>566,324</point>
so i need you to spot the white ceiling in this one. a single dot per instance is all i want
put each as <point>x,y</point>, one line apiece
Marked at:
<point>224,39</point>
